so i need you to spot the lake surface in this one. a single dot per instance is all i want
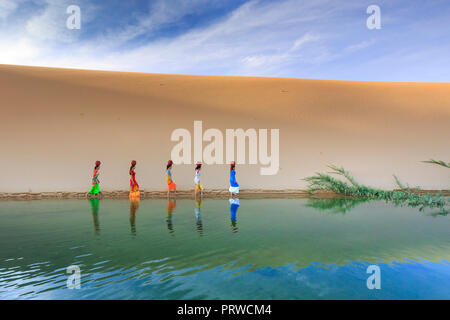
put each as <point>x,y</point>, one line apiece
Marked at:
<point>221,249</point>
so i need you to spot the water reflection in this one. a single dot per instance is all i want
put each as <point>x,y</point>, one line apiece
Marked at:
<point>436,214</point>
<point>336,205</point>
<point>198,217</point>
<point>345,205</point>
<point>333,205</point>
<point>134,206</point>
<point>94,208</point>
<point>234,206</point>
<point>171,205</point>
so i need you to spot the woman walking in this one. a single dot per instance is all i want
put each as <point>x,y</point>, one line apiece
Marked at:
<point>170,184</point>
<point>134,186</point>
<point>95,189</point>
<point>234,186</point>
<point>198,186</point>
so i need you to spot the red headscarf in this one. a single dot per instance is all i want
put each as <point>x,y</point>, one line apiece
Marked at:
<point>133,163</point>
<point>97,163</point>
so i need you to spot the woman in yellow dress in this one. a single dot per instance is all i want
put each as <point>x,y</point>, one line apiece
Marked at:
<point>198,185</point>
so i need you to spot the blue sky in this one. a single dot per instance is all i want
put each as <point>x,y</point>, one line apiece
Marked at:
<point>319,39</point>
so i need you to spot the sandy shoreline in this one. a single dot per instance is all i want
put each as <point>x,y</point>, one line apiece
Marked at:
<point>187,194</point>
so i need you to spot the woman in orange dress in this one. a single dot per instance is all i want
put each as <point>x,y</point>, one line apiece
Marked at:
<point>134,186</point>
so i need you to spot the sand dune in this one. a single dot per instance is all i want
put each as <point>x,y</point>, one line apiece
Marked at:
<point>54,123</point>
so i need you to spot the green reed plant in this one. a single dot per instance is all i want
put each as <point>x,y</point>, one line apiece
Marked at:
<point>438,162</point>
<point>351,188</point>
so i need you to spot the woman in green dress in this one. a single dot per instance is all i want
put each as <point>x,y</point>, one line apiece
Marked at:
<point>95,190</point>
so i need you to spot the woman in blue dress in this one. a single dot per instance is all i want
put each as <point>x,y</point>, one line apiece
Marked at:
<point>234,186</point>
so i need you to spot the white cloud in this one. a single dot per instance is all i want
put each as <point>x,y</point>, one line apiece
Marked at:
<point>160,14</point>
<point>359,46</point>
<point>303,40</point>
<point>7,7</point>
<point>18,51</point>
<point>50,23</point>
<point>283,57</point>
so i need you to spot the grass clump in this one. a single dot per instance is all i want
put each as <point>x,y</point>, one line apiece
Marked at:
<point>351,188</point>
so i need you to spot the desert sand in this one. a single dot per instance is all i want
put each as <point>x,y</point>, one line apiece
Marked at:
<point>54,124</point>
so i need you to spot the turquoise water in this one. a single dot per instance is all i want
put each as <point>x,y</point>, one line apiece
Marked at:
<point>254,249</point>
